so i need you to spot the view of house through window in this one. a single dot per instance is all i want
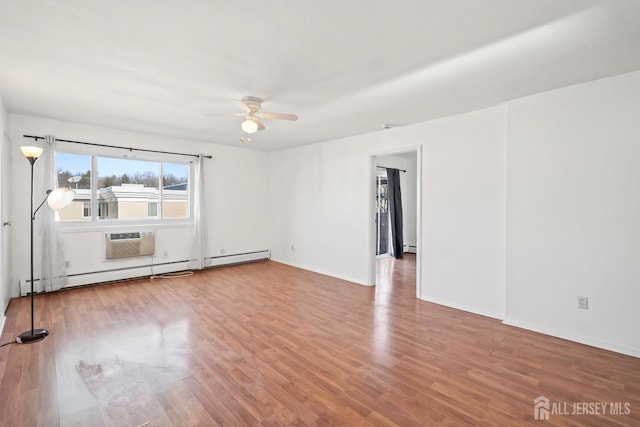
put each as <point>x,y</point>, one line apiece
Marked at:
<point>125,188</point>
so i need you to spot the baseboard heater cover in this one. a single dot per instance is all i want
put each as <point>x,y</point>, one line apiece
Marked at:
<point>411,249</point>
<point>221,260</point>
<point>116,274</point>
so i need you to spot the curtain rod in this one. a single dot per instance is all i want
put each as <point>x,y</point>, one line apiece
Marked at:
<point>384,167</point>
<point>118,146</point>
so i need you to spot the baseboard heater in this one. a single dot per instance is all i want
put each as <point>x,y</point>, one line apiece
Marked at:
<point>411,249</point>
<point>117,274</point>
<point>222,260</point>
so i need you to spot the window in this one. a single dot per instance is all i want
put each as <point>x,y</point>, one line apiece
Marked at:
<point>74,170</point>
<point>175,184</point>
<point>153,209</point>
<point>132,184</point>
<point>382,215</point>
<point>125,189</point>
<point>103,210</point>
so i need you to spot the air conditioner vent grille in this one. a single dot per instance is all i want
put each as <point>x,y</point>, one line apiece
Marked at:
<point>123,236</point>
<point>127,245</point>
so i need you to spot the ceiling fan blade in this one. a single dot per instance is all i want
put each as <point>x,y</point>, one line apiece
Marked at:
<point>279,116</point>
<point>224,114</point>
<point>260,125</point>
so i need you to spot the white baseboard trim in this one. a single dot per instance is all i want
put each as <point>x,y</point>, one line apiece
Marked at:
<point>629,351</point>
<point>3,319</point>
<point>319,271</point>
<point>474,310</point>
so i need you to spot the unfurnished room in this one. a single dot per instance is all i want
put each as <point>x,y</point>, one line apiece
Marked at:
<point>357,213</point>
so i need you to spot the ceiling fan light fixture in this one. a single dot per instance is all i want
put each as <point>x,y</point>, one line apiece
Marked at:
<point>250,125</point>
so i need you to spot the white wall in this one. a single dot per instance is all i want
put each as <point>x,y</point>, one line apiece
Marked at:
<point>319,209</point>
<point>573,224</point>
<point>319,197</point>
<point>463,216</point>
<point>236,181</point>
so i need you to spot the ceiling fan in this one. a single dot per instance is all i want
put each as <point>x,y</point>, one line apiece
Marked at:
<point>251,111</point>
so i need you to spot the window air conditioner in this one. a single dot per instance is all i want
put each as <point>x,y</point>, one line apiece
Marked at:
<point>127,245</point>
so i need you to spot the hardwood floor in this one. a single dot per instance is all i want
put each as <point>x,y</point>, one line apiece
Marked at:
<point>268,344</point>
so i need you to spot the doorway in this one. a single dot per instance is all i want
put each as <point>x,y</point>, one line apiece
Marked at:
<point>386,268</point>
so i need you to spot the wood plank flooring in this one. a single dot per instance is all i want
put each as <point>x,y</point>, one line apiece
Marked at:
<point>271,345</point>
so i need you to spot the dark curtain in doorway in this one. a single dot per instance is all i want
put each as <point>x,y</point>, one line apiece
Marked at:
<point>395,212</point>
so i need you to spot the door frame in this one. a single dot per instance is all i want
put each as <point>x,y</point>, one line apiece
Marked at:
<point>5,221</point>
<point>371,200</point>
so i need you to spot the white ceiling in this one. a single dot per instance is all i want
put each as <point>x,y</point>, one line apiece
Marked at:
<point>345,67</point>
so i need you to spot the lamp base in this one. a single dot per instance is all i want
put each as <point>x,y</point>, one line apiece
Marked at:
<point>32,336</point>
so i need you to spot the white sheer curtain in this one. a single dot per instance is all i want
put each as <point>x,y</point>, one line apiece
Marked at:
<point>53,274</point>
<point>200,256</point>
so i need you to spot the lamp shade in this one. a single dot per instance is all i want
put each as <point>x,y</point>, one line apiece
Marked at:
<point>60,198</point>
<point>31,152</point>
<point>250,125</point>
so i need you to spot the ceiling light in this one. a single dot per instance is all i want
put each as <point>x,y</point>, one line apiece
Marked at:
<point>250,125</point>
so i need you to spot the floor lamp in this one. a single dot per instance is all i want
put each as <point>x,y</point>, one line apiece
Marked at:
<point>57,199</point>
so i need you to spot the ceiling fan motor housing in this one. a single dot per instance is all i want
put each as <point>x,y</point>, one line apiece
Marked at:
<point>252,103</point>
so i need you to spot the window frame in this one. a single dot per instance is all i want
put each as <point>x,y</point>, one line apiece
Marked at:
<point>87,206</point>
<point>149,204</point>
<point>94,222</point>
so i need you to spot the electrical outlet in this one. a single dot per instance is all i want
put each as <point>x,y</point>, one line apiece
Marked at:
<point>583,302</point>
<point>67,264</point>
<point>223,251</point>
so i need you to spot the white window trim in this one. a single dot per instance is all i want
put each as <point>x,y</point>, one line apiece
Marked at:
<point>93,223</point>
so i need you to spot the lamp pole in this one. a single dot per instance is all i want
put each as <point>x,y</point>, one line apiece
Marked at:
<point>34,334</point>
<point>57,199</point>
<point>32,160</point>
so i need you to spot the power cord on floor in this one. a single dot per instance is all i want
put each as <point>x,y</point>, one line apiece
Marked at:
<point>172,275</point>
<point>168,275</point>
<point>8,343</point>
